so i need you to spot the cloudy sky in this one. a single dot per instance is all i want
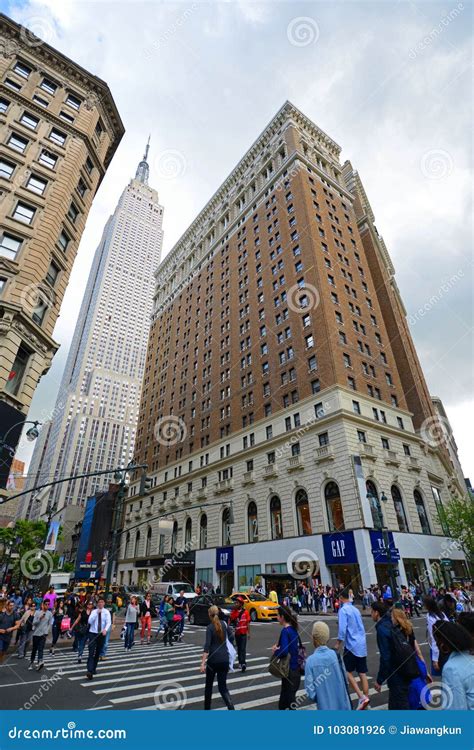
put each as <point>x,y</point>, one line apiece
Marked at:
<point>389,81</point>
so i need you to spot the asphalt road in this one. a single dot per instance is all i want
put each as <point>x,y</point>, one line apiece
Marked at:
<point>154,676</point>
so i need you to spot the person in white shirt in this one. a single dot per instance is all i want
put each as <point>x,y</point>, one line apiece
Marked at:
<point>99,623</point>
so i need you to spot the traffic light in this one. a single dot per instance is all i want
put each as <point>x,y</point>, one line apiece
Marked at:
<point>146,483</point>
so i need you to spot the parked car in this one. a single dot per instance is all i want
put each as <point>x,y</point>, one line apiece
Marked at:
<point>258,606</point>
<point>198,608</point>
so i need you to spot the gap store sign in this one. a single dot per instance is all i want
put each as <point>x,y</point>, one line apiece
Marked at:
<point>339,548</point>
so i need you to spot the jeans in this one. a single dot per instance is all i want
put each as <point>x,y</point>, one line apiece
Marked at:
<point>289,688</point>
<point>38,648</point>
<point>221,671</point>
<point>25,639</point>
<point>56,632</point>
<point>96,641</point>
<point>398,693</point>
<point>81,641</point>
<point>241,643</point>
<point>106,643</point>
<point>169,631</point>
<point>129,634</point>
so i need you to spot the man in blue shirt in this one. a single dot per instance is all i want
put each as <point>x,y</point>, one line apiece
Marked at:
<point>351,633</point>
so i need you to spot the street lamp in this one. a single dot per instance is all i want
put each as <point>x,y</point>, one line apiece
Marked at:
<point>376,504</point>
<point>31,434</point>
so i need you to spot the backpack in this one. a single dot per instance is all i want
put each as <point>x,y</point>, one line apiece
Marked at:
<point>404,655</point>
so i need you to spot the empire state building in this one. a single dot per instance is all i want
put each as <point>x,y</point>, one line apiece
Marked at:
<point>95,418</point>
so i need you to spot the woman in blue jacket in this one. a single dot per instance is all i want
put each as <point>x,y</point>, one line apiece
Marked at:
<point>288,644</point>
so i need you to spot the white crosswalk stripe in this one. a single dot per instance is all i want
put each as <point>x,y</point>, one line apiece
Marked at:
<point>130,679</point>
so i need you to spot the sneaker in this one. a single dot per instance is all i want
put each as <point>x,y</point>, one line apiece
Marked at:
<point>363,703</point>
<point>51,650</point>
<point>244,667</point>
<point>89,675</point>
<point>79,661</point>
<point>32,666</point>
<point>40,666</point>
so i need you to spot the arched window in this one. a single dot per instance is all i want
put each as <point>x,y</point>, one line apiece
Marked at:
<point>188,532</point>
<point>275,518</point>
<point>203,532</point>
<point>399,508</point>
<point>174,537</point>
<point>420,507</point>
<point>137,545</point>
<point>302,514</point>
<point>226,527</point>
<point>252,520</point>
<point>334,507</point>
<point>148,543</point>
<point>126,550</point>
<point>372,495</point>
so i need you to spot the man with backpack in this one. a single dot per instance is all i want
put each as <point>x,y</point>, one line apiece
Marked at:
<point>397,659</point>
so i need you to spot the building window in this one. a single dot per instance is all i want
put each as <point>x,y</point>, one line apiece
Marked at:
<point>18,370</point>
<point>136,549</point>
<point>39,100</point>
<point>57,136</point>
<point>89,166</point>
<point>315,386</point>
<point>4,104</point>
<point>64,241</point>
<point>188,533</point>
<point>174,538</point>
<point>385,444</point>
<point>440,509</point>
<point>67,117</point>
<point>323,439</point>
<point>356,407</point>
<point>53,273</point>
<point>73,213</point>
<point>295,449</point>
<point>226,540</point>
<point>302,514</point>
<point>252,522</point>
<point>334,507</point>
<point>48,85</point>
<point>29,121</point>
<point>406,449</point>
<point>73,101</point>
<point>361,436</point>
<point>36,184</point>
<point>126,549</point>
<point>6,169</point>
<point>372,496</point>
<point>17,143</point>
<point>13,84</point>
<point>9,246</point>
<point>399,508</point>
<point>48,159</point>
<point>24,213</point>
<point>400,423</point>
<point>22,70</point>
<point>312,363</point>
<point>148,543</point>
<point>275,518</point>
<point>39,311</point>
<point>421,510</point>
<point>203,532</point>
<point>248,575</point>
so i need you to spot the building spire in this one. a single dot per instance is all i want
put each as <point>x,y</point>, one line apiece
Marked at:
<point>143,170</point>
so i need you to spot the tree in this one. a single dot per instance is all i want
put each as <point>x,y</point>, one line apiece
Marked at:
<point>458,515</point>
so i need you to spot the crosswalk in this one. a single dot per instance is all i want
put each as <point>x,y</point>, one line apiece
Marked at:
<point>156,677</point>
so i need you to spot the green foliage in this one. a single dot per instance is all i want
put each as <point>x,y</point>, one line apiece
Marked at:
<point>458,516</point>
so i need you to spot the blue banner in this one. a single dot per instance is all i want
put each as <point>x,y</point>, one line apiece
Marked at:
<point>126,730</point>
<point>379,550</point>
<point>224,559</point>
<point>339,548</point>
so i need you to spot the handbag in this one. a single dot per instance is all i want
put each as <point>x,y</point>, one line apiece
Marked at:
<point>65,624</point>
<point>232,654</point>
<point>279,666</point>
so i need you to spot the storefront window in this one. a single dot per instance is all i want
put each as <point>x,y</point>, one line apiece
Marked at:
<point>420,507</point>
<point>275,518</point>
<point>302,514</point>
<point>252,518</point>
<point>399,508</point>
<point>203,532</point>
<point>334,507</point>
<point>276,567</point>
<point>372,497</point>
<point>249,575</point>
<point>204,577</point>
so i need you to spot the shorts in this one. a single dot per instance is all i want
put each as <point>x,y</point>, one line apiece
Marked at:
<point>354,663</point>
<point>4,644</point>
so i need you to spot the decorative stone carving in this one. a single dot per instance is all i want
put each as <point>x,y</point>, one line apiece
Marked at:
<point>9,48</point>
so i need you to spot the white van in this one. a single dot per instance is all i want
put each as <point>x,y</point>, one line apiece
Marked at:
<point>173,588</point>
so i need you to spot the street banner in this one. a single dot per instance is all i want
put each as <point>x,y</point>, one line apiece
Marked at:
<point>52,538</point>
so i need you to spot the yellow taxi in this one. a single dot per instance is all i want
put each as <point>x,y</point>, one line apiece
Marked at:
<point>258,606</point>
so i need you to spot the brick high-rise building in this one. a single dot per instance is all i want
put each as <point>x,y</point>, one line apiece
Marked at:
<point>282,391</point>
<point>59,128</point>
